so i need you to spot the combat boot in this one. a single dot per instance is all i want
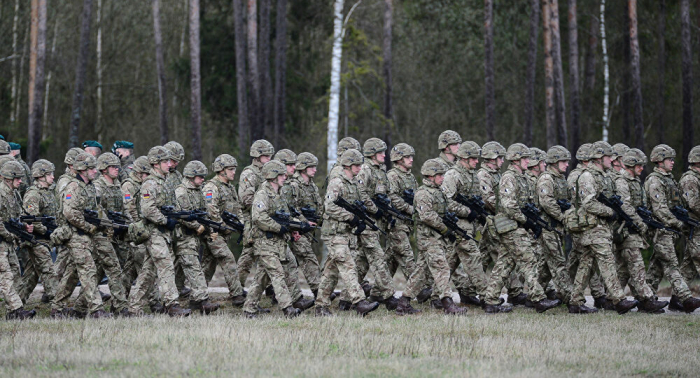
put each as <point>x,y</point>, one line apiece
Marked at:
<point>100,314</point>
<point>344,305</point>
<point>404,307</point>
<point>466,299</point>
<point>185,292</point>
<point>391,303</point>
<point>450,308</point>
<point>263,310</point>
<point>323,311</point>
<point>690,304</point>
<point>334,295</point>
<point>495,309</point>
<point>676,304</point>
<point>551,294</point>
<point>529,303</point>
<point>105,296</point>
<point>583,309</point>
<point>364,307</point>
<point>176,310</point>
<point>424,294</point>
<point>204,307</point>
<point>304,304</point>
<point>518,300</point>
<point>123,312</point>
<point>70,312</point>
<point>651,306</point>
<point>625,305</point>
<point>45,298</point>
<point>603,303</point>
<point>238,300</point>
<point>20,314</point>
<point>157,308</point>
<point>546,304</point>
<point>250,315</point>
<point>436,304</point>
<point>270,293</point>
<point>291,312</point>
<point>367,288</point>
<point>57,314</point>
<point>483,304</point>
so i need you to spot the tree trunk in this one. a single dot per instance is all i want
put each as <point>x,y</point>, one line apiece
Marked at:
<point>687,60</point>
<point>20,81</point>
<point>590,62</point>
<point>48,86</point>
<point>80,71</point>
<point>625,108</point>
<point>195,82</point>
<point>160,67</point>
<point>660,117</point>
<point>550,115</point>
<point>573,76</point>
<point>36,86</point>
<point>334,102</point>
<point>386,47</point>
<point>13,91</point>
<point>98,123</point>
<point>636,77</point>
<point>266,109</point>
<point>563,138</point>
<point>490,97</point>
<point>241,85</point>
<point>256,128</point>
<point>280,70</point>
<point>606,73</point>
<point>531,71</point>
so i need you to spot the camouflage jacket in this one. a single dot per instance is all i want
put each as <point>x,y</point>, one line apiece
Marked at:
<point>10,207</point>
<point>532,181</point>
<point>630,190</point>
<point>690,185</point>
<point>248,184</point>
<point>153,197</point>
<point>172,181</point>
<point>299,194</point>
<point>335,218</point>
<point>489,179</point>
<point>431,205</point>
<point>131,188</point>
<point>514,192</point>
<point>372,181</point>
<point>127,167</point>
<point>77,197</point>
<point>109,196</point>
<point>460,180</point>
<point>265,203</point>
<point>590,185</point>
<point>220,197</point>
<point>551,187</point>
<point>572,179</point>
<point>39,201</point>
<point>27,179</point>
<point>663,194</point>
<point>188,197</point>
<point>446,160</point>
<point>400,180</point>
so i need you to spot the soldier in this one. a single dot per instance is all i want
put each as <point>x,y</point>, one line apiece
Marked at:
<point>261,151</point>
<point>220,196</point>
<point>75,199</point>
<point>690,186</point>
<point>92,147</point>
<point>492,154</point>
<point>372,181</point>
<point>40,201</point>
<point>125,152</point>
<point>301,192</point>
<point>448,143</point>
<point>664,194</point>
<point>27,178</point>
<point>189,197</point>
<point>172,181</point>
<point>432,237</point>
<point>11,174</point>
<point>514,192</point>
<point>399,252</point>
<point>270,246</point>
<point>595,241</point>
<point>534,169</point>
<point>159,258</point>
<point>629,252</point>
<point>552,188</point>
<point>461,179</point>
<point>341,241</point>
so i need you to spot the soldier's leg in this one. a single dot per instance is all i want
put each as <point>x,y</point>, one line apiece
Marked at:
<point>690,266</point>
<point>437,263</point>
<point>470,257</point>
<point>621,268</point>
<point>636,277</point>
<point>329,277</point>
<point>273,267</point>
<point>401,252</point>
<point>219,253</point>
<point>306,258</point>
<point>161,255</point>
<point>556,263</point>
<point>245,264</point>
<point>15,267</point>
<point>416,281</point>
<point>80,247</point>
<point>143,287</point>
<point>67,282</point>
<point>7,284</point>
<point>524,246</point>
<point>584,264</point>
<point>500,274</point>
<point>108,260</point>
<point>665,253</point>
<point>383,282</point>
<point>656,272</point>
<point>40,265</point>
<point>291,276</point>
<point>602,252</point>
<point>28,281</point>
<point>193,272</point>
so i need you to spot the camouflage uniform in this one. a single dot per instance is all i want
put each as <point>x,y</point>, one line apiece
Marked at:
<point>27,179</point>
<point>690,186</point>
<point>127,167</point>
<point>9,208</point>
<point>248,184</point>
<point>399,252</point>
<point>172,181</point>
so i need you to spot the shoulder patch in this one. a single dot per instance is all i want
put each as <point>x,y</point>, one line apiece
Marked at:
<point>146,195</point>
<point>127,196</point>
<point>209,195</point>
<point>259,204</point>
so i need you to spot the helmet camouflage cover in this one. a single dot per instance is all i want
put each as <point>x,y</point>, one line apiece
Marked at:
<point>286,156</point>
<point>42,167</point>
<point>222,162</point>
<point>517,151</point>
<point>400,151</point>
<point>351,157</point>
<point>433,167</point>
<point>448,137</point>
<point>492,150</point>
<point>305,160</point>
<point>373,146</point>
<point>272,169</point>
<point>662,152</point>
<point>633,157</point>
<point>469,149</point>
<point>557,153</point>
<point>261,147</point>
<point>176,150</point>
<point>194,168</point>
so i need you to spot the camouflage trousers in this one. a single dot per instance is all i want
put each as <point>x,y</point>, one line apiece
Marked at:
<point>81,267</point>
<point>595,283</point>
<point>554,269</point>
<point>517,248</point>
<point>158,264</point>
<point>39,265</point>
<point>273,261</point>
<point>690,265</point>
<point>432,256</point>
<point>339,265</point>
<point>187,255</point>
<point>631,271</point>
<point>371,256</point>
<point>306,258</point>
<point>7,282</point>
<point>596,246</point>
<point>134,263</point>
<point>180,276</point>
<point>664,263</point>
<point>399,253</point>
<point>15,267</point>
<point>106,259</point>
<point>489,248</point>
<point>467,253</point>
<point>216,252</point>
<point>245,263</point>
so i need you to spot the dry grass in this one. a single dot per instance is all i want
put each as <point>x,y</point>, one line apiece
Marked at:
<point>519,344</point>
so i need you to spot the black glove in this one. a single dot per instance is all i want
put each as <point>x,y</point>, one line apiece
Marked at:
<point>305,227</point>
<point>451,236</point>
<point>171,223</point>
<point>612,218</point>
<point>354,222</point>
<point>283,230</point>
<point>191,217</point>
<point>472,216</point>
<point>379,213</point>
<point>361,226</point>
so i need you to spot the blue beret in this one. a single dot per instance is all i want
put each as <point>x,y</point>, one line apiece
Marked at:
<point>15,146</point>
<point>92,143</point>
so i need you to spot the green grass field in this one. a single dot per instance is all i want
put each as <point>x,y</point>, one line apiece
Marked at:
<point>522,343</point>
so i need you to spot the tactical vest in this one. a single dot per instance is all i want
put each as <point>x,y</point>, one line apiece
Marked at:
<point>227,196</point>
<point>604,182</point>
<point>408,181</point>
<point>440,200</point>
<point>172,181</point>
<point>308,194</point>
<point>378,180</point>
<point>111,197</point>
<point>638,196</point>
<point>49,207</point>
<point>524,194</point>
<point>12,207</point>
<point>469,181</point>
<point>90,194</point>
<point>195,198</point>
<point>161,198</point>
<point>258,175</point>
<point>561,188</point>
<point>673,193</point>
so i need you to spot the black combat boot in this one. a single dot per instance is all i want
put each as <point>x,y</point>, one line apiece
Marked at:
<point>676,304</point>
<point>625,305</point>
<point>391,303</point>
<point>323,311</point>
<point>603,303</point>
<point>436,304</point>
<point>204,307</point>
<point>303,304</point>
<point>176,310</point>
<point>344,305</point>
<point>334,295</point>
<point>238,300</point>
<point>57,314</point>
<point>291,312</point>
<point>157,308</point>
<point>270,293</point>
<point>20,314</point>
<point>450,308</point>
<point>100,314</point>
<point>364,307</point>
<point>690,304</point>
<point>551,294</point>
<point>583,309</point>
<point>546,304</point>
<point>518,300</point>
<point>495,309</point>
<point>651,306</point>
<point>404,307</point>
<point>367,288</point>
<point>45,298</point>
<point>466,299</point>
<point>424,294</point>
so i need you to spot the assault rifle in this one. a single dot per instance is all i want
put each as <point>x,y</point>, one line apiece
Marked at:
<point>309,213</point>
<point>119,218</point>
<point>200,216</point>
<point>232,221</point>
<point>93,217</point>
<point>384,204</point>
<point>648,218</point>
<point>535,223</point>
<point>476,207</point>
<point>615,203</point>
<point>408,196</point>
<point>47,221</point>
<point>358,209</point>
<point>19,229</point>
<point>682,215</point>
<point>564,205</point>
<point>450,220</point>
<point>285,219</point>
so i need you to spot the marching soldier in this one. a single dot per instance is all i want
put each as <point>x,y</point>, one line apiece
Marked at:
<point>125,152</point>
<point>399,252</point>
<point>172,181</point>
<point>690,186</point>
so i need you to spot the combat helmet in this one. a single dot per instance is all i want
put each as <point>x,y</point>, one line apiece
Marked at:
<point>584,152</point>
<point>448,137</point>
<point>351,157</point>
<point>157,154</point>
<point>5,148</point>
<point>433,167</point>
<point>222,162</point>
<point>694,155</point>
<point>373,146</point>
<point>141,165</point>
<point>261,147</point>
<point>176,150</point>
<point>662,152</point>
<point>400,151</point>
<point>107,159</point>
<point>492,150</point>
<point>42,167</point>
<point>194,168</point>
<point>469,149</point>
<point>71,154</point>
<point>286,156</point>
<point>305,160</point>
<point>619,149</point>
<point>517,151</point>
<point>84,161</point>
<point>348,143</point>
<point>634,156</point>
<point>557,153</point>
<point>537,156</point>
<point>12,170</point>
<point>272,169</point>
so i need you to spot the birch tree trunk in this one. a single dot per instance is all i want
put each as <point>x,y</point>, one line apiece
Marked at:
<point>48,86</point>
<point>558,76</point>
<point>80,71</point>
<point>606,73</point>
<point>550,111</point>
<point>531,72</point>
<point>490,97</point>
<point>280,70</point>
<point>160,67</point>
<point>636,77</point>
<point>256,127</point>
<point>626,73</point>
<point>388,89</point>
<point>334,103</point>
<point>686,45</point>
<point>266,108</point>
<point>20,81</point>
<point>241,85</point>
<point>195,82</point>
<point>573,76</point>
<point>660,117</point>
<point>36,86</point>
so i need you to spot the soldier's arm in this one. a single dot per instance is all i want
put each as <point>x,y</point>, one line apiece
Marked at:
<point>212,200</point>
<point>622,189</point>
<point>507,191</point>
<point>320,209</point>
<point>149,209</point>
<point>690,186</point>
<point>332,210</point>
<point>260,213</point>
<point>246,188</point>
<point>426,212</point>
<point>395,193</point>
<point>450,186</point>
<point>659,204</point>
<point>365,196</point>
<point>7,235</point>
<point>545,193</point>
<point>72,209</point>
<point>183,203</point>
<point>487,193</point>
<point>589,197</point>
<point>129,192</point>
<point>32,206</point>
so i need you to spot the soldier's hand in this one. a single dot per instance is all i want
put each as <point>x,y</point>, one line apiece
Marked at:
<point>283,230</point>
<point>296,236</point>
<point>361,226</point>
<point>29,227</point>
<point>306,227</point>
<point>213,236</point>
<point>171,223</point>
<point>200,229</point>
